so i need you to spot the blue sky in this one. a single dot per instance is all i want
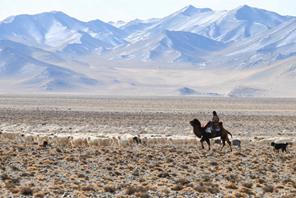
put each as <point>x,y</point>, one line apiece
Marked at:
<point>113,10</point>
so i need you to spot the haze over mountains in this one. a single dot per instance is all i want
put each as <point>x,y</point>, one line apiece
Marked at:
<point>194,51</point>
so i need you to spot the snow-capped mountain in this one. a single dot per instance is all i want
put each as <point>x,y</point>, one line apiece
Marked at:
<point>229,28</point>
<point>242,22</point>
<point>137,25</point>
<point>193,51</point>
<point>56,31</point>
<point>173,46</point>
<point>224,26</point>
<point>264,48</point>
<point>117,24</point>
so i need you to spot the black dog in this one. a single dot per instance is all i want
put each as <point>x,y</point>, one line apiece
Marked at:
<point>278,146</point>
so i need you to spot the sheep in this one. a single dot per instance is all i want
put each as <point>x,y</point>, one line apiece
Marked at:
<point>62,141</point>
<point>236,142</point>
<point>115,141</point>
<point>79,142</point>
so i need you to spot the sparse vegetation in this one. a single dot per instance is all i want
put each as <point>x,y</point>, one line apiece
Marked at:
<point>26,191</point>
<point>113,166</point>
<point>132,189</point>
<point>268,188</point>
<point>231,185</point>
<point>110,188</point>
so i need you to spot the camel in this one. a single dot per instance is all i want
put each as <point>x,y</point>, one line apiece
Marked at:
<point>200,132</point>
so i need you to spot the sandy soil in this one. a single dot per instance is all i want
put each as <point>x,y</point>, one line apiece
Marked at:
<point>90,152</point>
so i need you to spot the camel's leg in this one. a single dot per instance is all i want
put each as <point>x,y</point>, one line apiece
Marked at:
<point>201,141</point>
<point>223,144</point>
<point>229,143</point>
<point>209,143</point>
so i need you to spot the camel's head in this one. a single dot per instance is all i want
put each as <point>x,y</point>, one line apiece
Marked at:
<point>195,123</point>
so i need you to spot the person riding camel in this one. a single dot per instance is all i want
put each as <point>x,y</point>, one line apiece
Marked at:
<point>213,126</point>
<point>215,122</point>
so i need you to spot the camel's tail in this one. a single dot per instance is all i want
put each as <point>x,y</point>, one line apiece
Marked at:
<point>229,133</point>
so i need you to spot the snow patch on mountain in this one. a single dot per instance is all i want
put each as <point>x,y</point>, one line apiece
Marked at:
<point>60,35</point>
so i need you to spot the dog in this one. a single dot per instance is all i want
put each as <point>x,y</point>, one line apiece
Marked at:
<point>278,146</point>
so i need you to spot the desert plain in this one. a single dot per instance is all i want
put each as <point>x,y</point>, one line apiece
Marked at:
<point>82,146</point>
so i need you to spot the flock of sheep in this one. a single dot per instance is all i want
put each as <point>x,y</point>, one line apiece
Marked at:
<point>118,141</point>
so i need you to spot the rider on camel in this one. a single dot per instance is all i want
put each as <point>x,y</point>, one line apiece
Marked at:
<point>215,122</point>
<point>214,125</point>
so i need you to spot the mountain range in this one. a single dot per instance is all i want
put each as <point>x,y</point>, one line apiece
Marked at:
<point>244,52</point>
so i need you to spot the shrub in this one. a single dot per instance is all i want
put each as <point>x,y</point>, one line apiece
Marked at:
<point>231,185</point>
<point>110,189</point>
<point>200,188</point>
<point>27,191</point>
<point>130,190</point>
<point>247,185</point>
<point>177,187</point>
<point>268,188</point>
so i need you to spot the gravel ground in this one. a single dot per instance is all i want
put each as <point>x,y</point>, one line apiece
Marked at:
<point>90,152</point>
